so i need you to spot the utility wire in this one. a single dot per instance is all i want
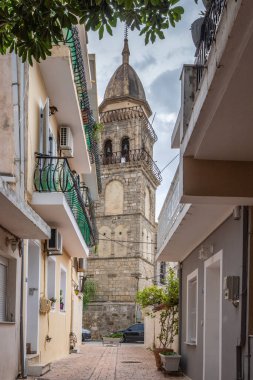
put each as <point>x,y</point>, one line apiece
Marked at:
<point>170,162</point>
<point>125,246</point>
<point>128,241</point>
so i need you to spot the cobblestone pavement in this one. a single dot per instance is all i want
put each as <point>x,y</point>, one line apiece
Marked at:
<point>95,362</point>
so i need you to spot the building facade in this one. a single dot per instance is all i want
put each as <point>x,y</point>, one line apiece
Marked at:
<point>206,220</point>
<point>124,262</point>
<point>48,158</point>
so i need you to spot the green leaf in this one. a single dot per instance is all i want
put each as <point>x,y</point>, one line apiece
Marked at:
<point>101,32</point>
<point>109,29</point>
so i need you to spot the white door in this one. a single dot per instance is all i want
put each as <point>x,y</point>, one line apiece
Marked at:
<point>33,296</point>
<point>212,318</point>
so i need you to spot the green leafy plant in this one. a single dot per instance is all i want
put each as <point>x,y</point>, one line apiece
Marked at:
<point>31,27</point>
<point>97,130</point>
<point>114,335</point>
<point>53,299</point>
<point>164,300</point>
<point>89,292</point>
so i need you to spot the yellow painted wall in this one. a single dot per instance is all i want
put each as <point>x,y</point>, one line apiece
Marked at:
<point>37,98</point>
<point>56,323</point>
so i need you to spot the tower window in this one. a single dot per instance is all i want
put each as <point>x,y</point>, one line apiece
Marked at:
<point>108,148</point>
<point>125,147</point>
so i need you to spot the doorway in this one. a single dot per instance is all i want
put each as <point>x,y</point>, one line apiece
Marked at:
<point>212,318</point>
<point>33,292</point>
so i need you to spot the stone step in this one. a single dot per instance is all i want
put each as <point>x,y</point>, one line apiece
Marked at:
<point>32,359</point>
<point>38,369</point>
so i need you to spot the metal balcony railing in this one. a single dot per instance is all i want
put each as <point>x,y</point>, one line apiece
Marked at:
<point>134,155</point>
<point>53,174</point>
<point>73,42</point>
<point>208,34</point>
<point>170,211</point>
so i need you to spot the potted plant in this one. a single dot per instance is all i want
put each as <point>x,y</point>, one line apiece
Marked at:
<point>170,361</point>
<point>53,301</point>
<point>163,303</point>
<point>113,339</point>
<point>61,300</point>
<point>76,290</point>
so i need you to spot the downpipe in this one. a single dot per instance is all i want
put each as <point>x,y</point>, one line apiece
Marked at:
<point>22,340</point>
<point>180,269</point>
<point>18,93</point>
<point>239,348</point>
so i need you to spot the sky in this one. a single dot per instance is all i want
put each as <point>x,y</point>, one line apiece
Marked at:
<point>158,66</point>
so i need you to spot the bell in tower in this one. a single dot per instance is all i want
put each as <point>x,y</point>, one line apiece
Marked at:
<point>124,262</point>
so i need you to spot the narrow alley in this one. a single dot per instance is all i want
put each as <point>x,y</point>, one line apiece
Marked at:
<point>98,362</point>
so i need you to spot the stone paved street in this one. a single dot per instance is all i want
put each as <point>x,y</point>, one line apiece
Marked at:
<point>95,362</point>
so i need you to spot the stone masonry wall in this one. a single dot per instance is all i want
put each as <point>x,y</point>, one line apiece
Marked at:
<point>125,212</point>
<point>104,318</point>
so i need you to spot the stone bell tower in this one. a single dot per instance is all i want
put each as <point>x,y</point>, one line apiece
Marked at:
<point>125,213</point>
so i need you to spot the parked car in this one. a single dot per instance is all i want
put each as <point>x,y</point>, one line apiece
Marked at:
<point>86,334</point>
<point>134,333</point>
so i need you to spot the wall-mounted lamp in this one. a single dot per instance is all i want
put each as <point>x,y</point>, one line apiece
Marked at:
<point>13,243</point>
<point>53,110</point>
<point>205,251</point>
<point>237,213</point>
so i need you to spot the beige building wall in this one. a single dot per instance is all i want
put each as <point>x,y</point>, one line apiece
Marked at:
<point>10,330</point>
<point>55,324</point>
<point>54,327</point>
<point>37,99</point>
<point>7,163</point>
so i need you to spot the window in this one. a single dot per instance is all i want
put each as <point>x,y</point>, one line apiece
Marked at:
<point>108,148</point>
<point>138,327</point>
<point>125,146</point>
<point>63,281</point>
<point>51,280</point>
<point>192,308</point>
<point>147,203</point>
<point>7,289</point>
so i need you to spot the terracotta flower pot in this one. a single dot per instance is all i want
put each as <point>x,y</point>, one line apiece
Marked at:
<point>158,360</point>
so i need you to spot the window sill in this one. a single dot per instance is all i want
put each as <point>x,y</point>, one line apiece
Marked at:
<point>191,343</point>
<point>7,323</point>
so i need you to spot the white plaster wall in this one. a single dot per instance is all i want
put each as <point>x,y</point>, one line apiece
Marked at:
<point>152,330</point>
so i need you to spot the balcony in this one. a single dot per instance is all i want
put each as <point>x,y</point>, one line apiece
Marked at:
<point>182,227</point>
<point>64,204</point>
<point>136,157</point>
<point>208,35</point>
<point>18,217</point>
<point>214,128</point>
<point>73,42</point>
<point>58,77</point>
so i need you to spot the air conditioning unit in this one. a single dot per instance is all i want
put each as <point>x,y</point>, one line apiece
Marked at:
<point>66,142</point>
<point>54,244</point>
<point>82,265</point>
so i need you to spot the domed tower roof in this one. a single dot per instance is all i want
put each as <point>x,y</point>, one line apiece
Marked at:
<point>125,84</point>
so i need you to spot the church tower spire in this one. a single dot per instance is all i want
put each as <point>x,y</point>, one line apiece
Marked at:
<point>125,51</point>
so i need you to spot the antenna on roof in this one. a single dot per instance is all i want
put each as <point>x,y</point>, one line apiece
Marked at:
<point>126,32</point>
